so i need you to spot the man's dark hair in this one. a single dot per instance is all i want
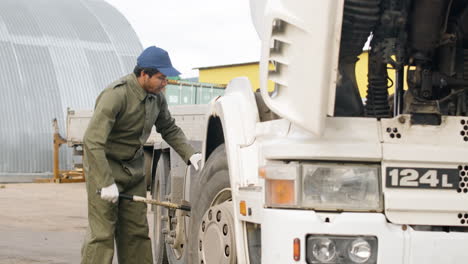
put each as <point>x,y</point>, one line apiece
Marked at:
<point>137,71</point>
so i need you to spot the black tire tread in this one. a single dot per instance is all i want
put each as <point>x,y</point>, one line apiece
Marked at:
<point>213,178</point>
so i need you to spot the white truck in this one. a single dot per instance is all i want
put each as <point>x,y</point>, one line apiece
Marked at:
<point>330,180</point>
<point>307,173</point>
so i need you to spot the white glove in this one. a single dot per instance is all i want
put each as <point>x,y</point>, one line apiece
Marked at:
<point>110,193</point>
<point>194,159</point>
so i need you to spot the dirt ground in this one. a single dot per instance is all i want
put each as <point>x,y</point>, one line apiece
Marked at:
<point>43,223</point>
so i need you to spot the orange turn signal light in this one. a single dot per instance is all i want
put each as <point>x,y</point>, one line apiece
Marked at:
<point>243,208</point>
<point>297,249</point>
<point>262,173</point>
<point>281,192</point>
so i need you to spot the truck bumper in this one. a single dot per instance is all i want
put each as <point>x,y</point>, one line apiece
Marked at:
<point>395,245</point>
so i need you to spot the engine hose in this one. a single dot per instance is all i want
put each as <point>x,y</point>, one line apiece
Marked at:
<point>359,19</point>
<point>377,98</point>
<point>377,104</point>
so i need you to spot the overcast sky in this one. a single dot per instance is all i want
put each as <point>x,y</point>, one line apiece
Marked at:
<point>195,33</point>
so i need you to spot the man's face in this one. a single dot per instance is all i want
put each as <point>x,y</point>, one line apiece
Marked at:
<point>155,83</point>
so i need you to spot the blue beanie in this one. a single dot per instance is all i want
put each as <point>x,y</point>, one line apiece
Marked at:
<point>157,58</point>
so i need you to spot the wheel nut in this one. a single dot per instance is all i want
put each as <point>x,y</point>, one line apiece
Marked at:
<point>218,216</point>
<point>210,215</point>
<point>226,251</point>
<point>225,229</point>
<point>172,233</point>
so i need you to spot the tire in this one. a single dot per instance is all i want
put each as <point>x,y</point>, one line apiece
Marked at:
<point>148,154</point>
<point>159,246</point>
<point>213,179</point>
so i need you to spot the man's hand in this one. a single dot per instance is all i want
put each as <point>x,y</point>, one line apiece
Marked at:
<point>110,193</point>
<point>194,159</point>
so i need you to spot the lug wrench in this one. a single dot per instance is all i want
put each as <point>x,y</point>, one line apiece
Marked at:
<point>185,206</point>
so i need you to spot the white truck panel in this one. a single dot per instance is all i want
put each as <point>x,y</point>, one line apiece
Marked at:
<point>289,42</point>
<point>406,142</point>
<point>425,147</point>
<point>280,228</point>
<point>77,122</point>
<point>395,243</point>
<point>188,117</point>
<point>344,139</point>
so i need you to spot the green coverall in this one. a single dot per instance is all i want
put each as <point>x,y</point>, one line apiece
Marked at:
<point>122,121</point>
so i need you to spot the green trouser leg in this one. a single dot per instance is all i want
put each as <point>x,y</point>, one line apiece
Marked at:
<point>126,219</point>
<point>133,242</point>
<point>98,247</point>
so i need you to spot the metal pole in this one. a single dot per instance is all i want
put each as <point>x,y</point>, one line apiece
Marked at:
<point>398,96</point>
<point>58,140</point>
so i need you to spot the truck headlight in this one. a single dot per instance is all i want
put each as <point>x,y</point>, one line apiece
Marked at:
<point>360,251</point>
<point>322,249</point>
<point>323,186</point>
<point>341,187</point>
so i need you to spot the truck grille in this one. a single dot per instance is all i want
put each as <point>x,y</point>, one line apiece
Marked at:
<point>463,184</point>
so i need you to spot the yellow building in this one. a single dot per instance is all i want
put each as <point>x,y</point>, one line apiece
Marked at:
<point>222,74</point>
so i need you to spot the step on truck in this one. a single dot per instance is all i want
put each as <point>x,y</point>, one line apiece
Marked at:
<point>307,172</point>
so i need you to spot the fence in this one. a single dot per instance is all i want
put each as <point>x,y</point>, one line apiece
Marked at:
<point>189,93</point>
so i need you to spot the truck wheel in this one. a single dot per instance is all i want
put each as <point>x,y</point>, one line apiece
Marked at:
<point>148,154</point>
<point>159,246</point>
<point>211,235</point>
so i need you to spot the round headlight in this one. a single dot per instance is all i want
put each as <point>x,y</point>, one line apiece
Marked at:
<point>324,250</point>
<point>359,251</point>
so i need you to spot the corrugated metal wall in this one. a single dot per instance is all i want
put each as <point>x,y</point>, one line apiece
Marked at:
<point>54,54</point>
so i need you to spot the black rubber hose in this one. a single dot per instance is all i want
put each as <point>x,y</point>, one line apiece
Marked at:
<point>377,104</point>
<point>359,19</point>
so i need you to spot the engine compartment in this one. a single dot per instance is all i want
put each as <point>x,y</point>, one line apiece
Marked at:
<point>424,41</point>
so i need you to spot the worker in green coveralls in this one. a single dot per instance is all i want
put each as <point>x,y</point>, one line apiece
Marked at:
<point>124,115</point>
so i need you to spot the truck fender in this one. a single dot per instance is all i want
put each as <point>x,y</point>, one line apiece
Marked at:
<point>233,115</point>
<point>232,120</point>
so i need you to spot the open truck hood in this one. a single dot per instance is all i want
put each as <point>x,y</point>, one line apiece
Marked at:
<point>300,46</point>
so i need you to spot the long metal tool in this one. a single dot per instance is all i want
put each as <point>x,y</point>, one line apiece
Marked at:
<point>135,198</point>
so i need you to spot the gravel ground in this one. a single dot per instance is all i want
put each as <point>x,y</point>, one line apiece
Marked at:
<point>43,223</point>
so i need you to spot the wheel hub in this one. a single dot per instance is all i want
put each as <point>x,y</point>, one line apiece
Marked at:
<point>216,235</point>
